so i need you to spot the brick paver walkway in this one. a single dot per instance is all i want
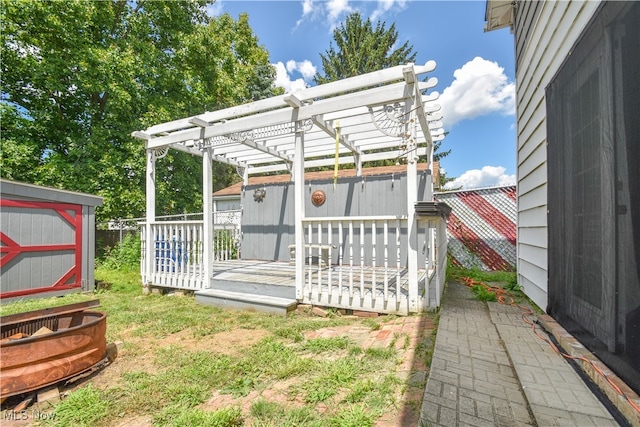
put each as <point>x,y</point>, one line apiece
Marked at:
<point>489,369</point>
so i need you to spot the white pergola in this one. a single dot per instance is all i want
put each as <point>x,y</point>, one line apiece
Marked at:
<point>387,114</point>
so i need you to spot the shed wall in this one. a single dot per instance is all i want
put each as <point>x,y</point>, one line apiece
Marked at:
<point>545,32</point>
<point>48,240</point>
<point>268,225</point>
<point>29,227</point>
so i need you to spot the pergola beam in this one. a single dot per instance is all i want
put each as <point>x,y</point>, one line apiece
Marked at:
<point>342,160</point>
<point>377,96</point>
<point>248,142</point>
<point>375,78</point>
<point>185,149</point>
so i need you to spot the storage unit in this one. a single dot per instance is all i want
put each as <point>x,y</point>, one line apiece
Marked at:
<point>47,240</point>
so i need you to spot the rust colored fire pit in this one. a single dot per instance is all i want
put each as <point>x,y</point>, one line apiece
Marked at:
<point>43,347</point>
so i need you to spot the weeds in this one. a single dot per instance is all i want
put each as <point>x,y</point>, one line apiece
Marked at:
<point>176,416</point>
<point>73,411</point>
<point>319,345</point>
<point>125,256</point>
<point>484,293</point>
<point>508,277</point>
<point>272,414</point>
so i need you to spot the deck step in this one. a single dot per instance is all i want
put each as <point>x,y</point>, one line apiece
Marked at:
<point>245,287</point>
<point>243,301</point>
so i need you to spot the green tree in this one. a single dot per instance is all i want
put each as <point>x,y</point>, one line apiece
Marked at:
<point>361,48</point>
<point>79,76</point>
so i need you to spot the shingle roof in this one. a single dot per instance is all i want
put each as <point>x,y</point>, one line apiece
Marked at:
<point>236,189</point>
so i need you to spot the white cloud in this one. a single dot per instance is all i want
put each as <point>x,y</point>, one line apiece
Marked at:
<point>386,5</point>
<point>488,176</point>
<point>332,12</point>
<point>214,9</point>
<point>291,65</point>
<point>283,79</point>
<point>335,8</point>
<point>307,69</point>
<point>325,11</point>
<point>308,10</point>
<point>480,88</point>
<point>307,7</point>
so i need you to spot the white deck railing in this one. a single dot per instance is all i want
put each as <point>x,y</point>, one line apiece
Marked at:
<point>178,251</point>
<point>434,249</point>
<point>367,264</point>
<point>358,263</point>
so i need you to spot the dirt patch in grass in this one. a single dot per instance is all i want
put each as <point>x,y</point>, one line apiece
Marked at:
<point>133,354</point>
<point>231,343</point>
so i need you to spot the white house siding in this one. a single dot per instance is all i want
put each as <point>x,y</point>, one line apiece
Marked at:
<point>545,33</point>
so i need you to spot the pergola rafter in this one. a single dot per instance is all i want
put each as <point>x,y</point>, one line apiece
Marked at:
<point>328,128</point>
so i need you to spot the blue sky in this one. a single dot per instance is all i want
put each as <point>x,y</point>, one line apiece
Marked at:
<point>475,70</point>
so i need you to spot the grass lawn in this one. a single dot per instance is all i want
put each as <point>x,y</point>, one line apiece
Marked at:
<point>185,364</point>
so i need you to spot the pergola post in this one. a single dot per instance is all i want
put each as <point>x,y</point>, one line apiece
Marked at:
<point>207,216</point>
<point>150,217</point>
<point>412,232</point>
<point>299,211</point>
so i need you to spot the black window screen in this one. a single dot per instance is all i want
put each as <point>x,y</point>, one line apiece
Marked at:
<point>585,177</point>
<point>593,131</point>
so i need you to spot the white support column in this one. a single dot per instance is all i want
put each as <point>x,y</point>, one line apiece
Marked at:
<point>245,176</point>
<point>150,217</point>
<point>412,232</point>
<point>207,217</point>
<point>428,194</point>
<point>298,178</point>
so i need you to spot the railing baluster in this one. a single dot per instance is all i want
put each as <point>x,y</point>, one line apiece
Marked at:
<point>427,260</point>
<point>386,260</point>
<point>216,244</point>
<point>340,256</point>
<point>398,275</point>
<point>362,240</point>
<point>329,242</point>
<point>310,241</point>
<point>374,241</point>
<point>350,259</point>
<point>199,253</point>
<point>143,254</point>
<point>319,258</point>
<point>178,255</point>
<point>163,255</point>
<point>194,254</point>
<point>171,246</point>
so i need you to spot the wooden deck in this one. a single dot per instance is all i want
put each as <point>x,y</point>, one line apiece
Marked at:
<point>254,271</point>
<point>277,273</point>
<point>376,289</point>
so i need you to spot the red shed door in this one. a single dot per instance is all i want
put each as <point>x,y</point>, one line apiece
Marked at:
<point>40,247</point>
